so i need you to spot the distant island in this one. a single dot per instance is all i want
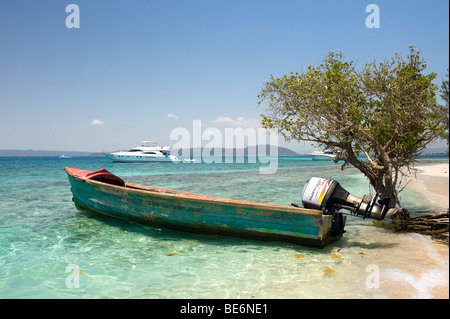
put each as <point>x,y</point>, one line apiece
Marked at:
<point>252,151</point>
<point>248,151</point>
<point>43,153</point>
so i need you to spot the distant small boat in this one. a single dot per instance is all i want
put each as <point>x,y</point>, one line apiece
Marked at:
<point>322,155</point>
<point>64,156</point>
<point>149,151</point>
<point>189,160</point>
<point>104,193</point>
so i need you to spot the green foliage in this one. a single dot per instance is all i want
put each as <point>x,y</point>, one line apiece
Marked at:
<point>386,111</point>
<point>443,110</point>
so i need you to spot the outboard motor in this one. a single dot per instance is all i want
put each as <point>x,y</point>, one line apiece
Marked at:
<point>328,195</point>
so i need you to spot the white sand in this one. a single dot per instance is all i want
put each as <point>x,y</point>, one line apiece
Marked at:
<point>433,181</point>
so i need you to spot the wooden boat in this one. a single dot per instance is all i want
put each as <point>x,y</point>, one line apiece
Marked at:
<point>105,193</point>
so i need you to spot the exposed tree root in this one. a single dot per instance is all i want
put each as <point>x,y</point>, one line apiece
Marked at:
<point>437,225</point>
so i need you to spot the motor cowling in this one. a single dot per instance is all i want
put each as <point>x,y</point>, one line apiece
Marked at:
<point>329,196</point>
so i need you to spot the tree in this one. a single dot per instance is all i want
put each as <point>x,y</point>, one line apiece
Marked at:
<point>386,112</point>
<point>443,110</point>
<point>444,90</point>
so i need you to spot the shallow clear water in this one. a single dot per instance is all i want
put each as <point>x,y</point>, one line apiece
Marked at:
<point>50,250</point>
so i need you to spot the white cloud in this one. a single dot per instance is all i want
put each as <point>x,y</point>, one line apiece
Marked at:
<point>97,122</point>
<point>243,122</point>
<point>239,122</point>
<point>222,119</point>
<point>172,116</point>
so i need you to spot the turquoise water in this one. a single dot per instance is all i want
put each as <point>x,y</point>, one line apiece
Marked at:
<point>50,250</point>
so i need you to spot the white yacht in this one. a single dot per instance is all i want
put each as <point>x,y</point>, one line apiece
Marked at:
<point>149,151</point>
<point>322,155</point>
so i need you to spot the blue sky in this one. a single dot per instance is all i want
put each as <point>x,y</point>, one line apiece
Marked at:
<point>144,68</point>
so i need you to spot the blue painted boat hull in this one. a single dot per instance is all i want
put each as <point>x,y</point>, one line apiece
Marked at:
<point>204,214</point>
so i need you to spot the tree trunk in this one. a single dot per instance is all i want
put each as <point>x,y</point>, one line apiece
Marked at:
<point>380,178</point>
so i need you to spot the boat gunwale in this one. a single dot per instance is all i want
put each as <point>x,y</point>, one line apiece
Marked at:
<point>173,194</point>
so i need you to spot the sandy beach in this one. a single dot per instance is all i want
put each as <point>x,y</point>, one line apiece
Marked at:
<point>433,181</point>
